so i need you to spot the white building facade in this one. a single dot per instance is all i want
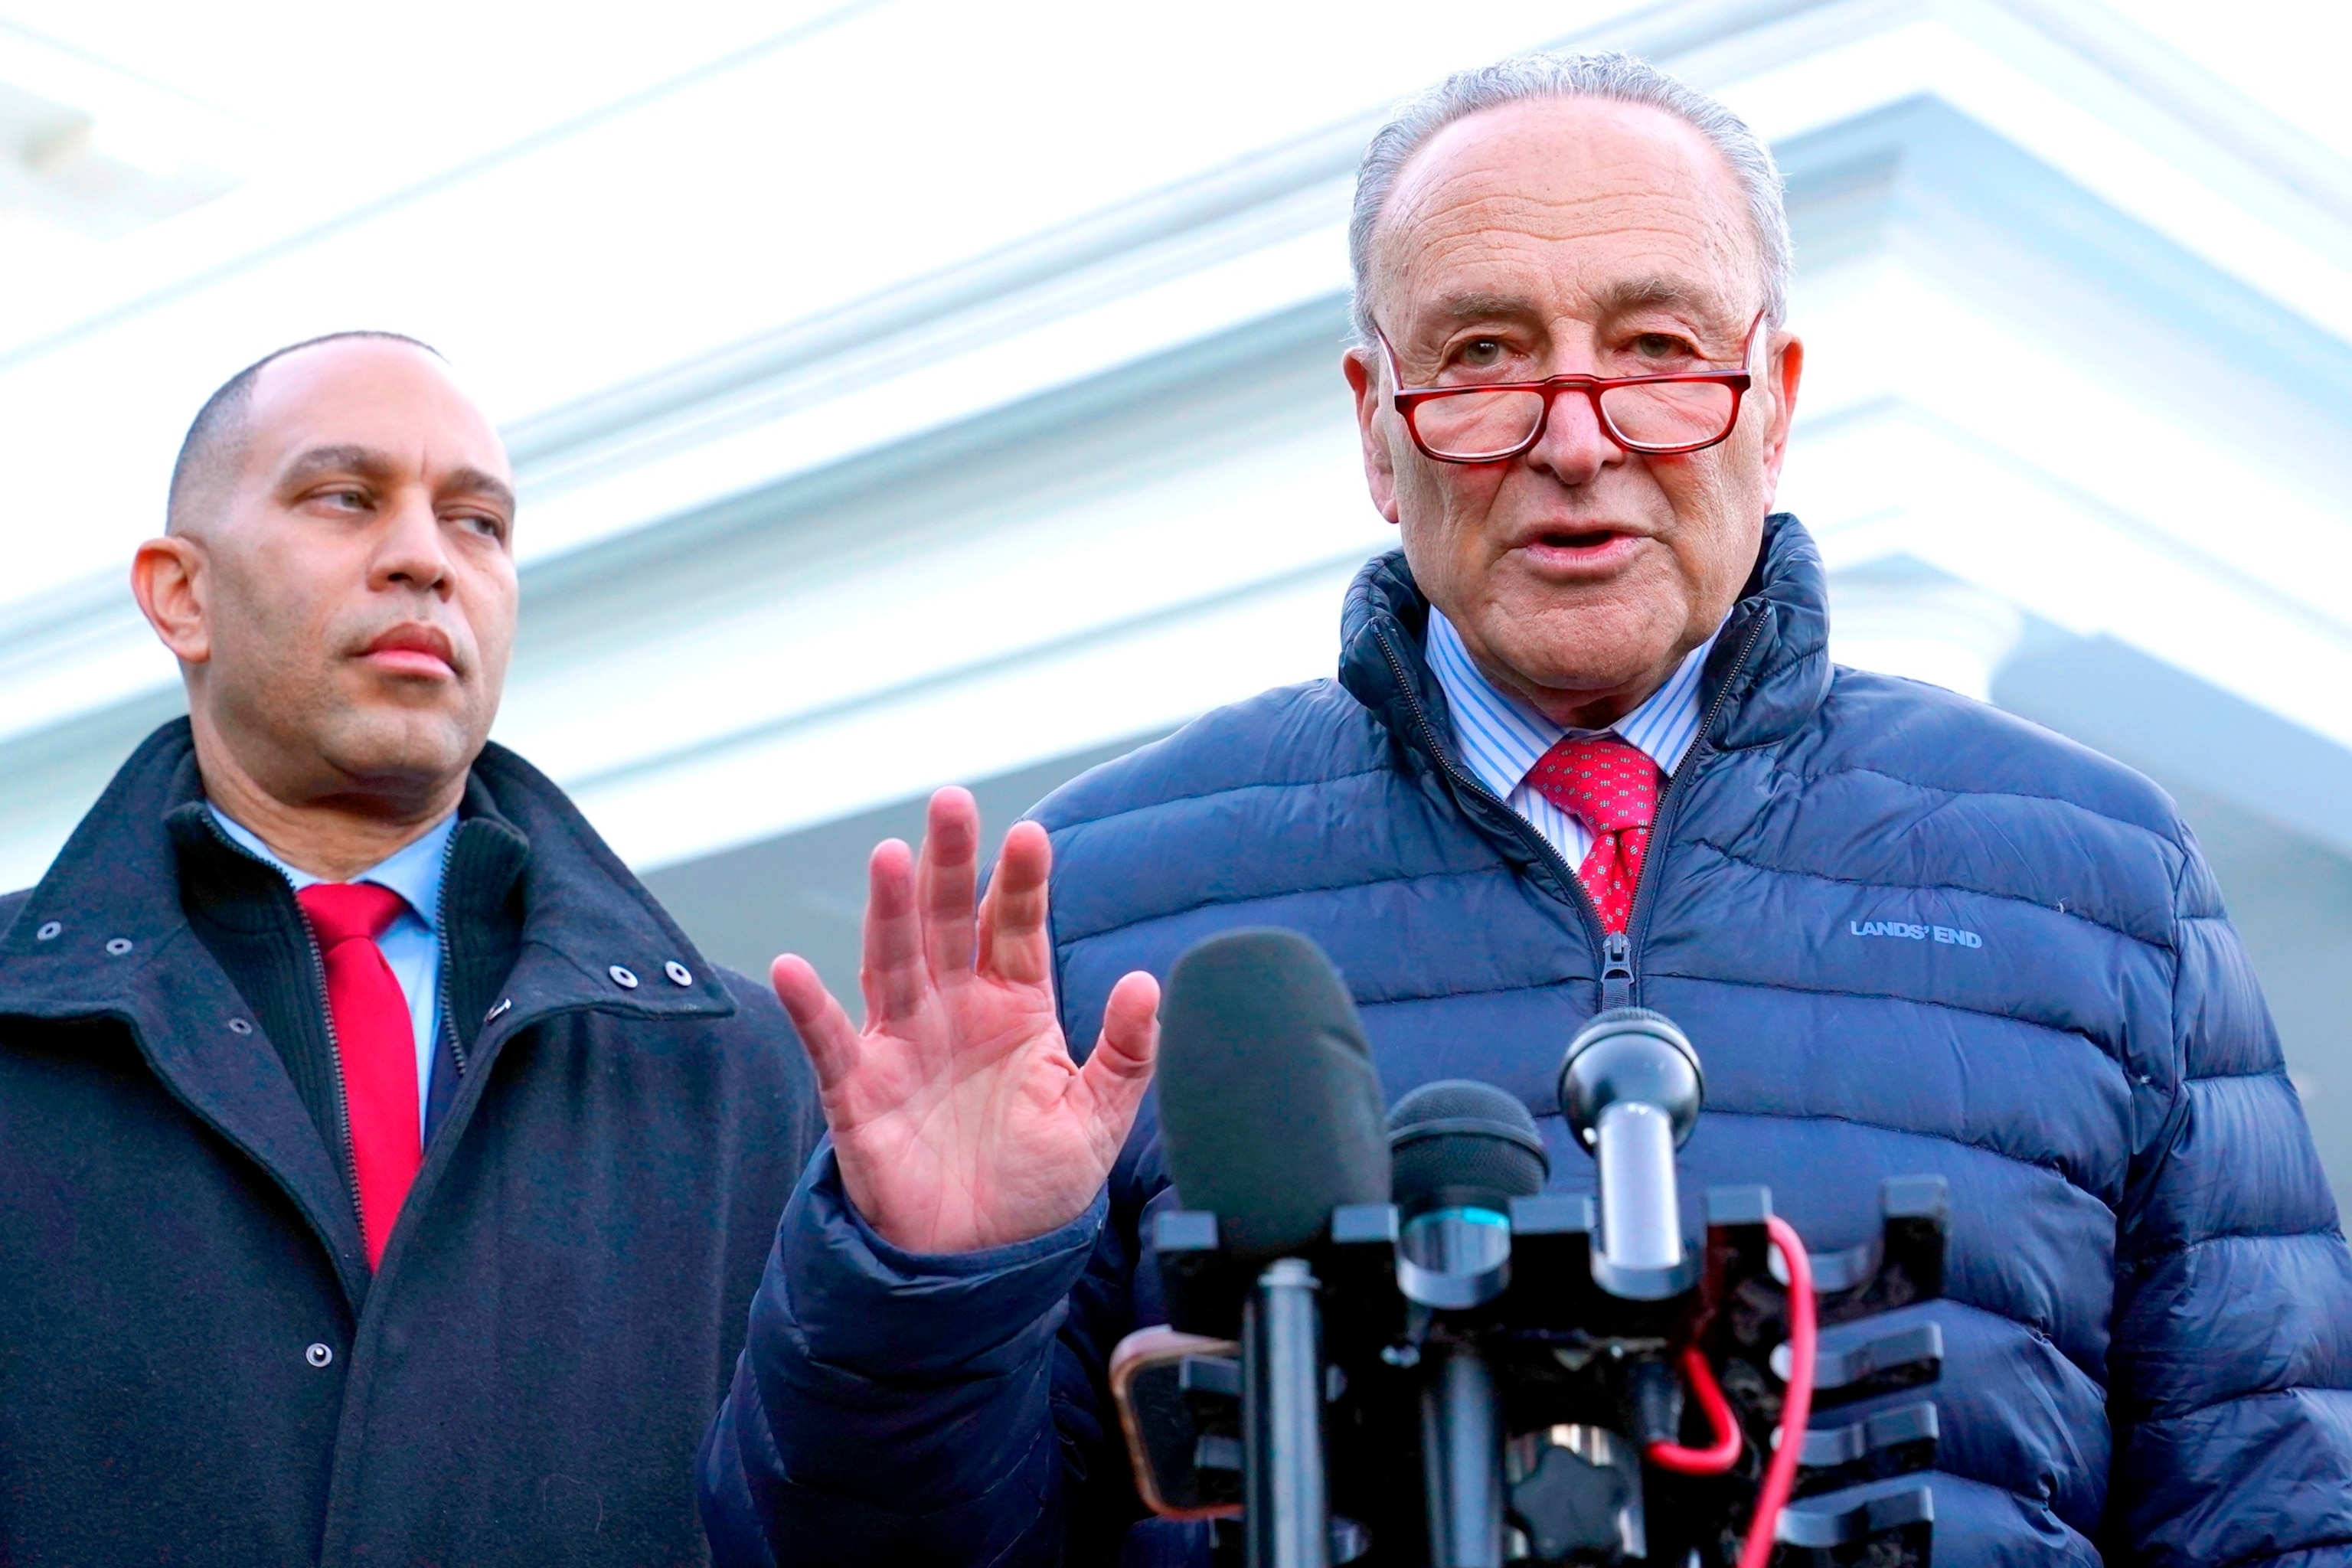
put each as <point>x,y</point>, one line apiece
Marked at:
<point>918,394</point>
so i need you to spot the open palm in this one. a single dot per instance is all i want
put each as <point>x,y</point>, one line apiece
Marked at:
<point>958,1117</point>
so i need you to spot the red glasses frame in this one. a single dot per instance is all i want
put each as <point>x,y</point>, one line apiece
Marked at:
<point>1408,400</point>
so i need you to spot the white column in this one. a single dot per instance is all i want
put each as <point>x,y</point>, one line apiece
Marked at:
<point>1909,621</point>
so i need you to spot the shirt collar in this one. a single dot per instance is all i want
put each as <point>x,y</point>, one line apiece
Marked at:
<point>414,871</point>
<point>1502,738</point>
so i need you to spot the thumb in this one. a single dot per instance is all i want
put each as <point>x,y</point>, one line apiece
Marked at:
<point>1120,1069</point>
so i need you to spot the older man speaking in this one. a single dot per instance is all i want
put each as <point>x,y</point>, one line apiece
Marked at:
<point>1586,747</point>
<point>384,1178</point>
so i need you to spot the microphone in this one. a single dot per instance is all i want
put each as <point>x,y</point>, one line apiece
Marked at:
<point>1631,1087</point>
<point>1269,1107</point>
<point>1270,1118</point>
<point>1463,1151</point>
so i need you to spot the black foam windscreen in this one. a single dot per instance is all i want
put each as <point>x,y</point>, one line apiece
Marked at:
<point>1269,1107</point>
<point>1457,1143</point>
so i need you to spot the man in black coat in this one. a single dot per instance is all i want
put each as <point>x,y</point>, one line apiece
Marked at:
<point>225,1336</point>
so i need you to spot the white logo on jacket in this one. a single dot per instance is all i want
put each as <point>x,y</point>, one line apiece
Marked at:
<point>1949,935</point>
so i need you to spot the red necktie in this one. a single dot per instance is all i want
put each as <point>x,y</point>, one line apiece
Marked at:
<point>1611,786</point>
<point>376,1042</point>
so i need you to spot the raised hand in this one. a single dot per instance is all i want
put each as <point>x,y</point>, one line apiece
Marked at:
<point>958,1119</point>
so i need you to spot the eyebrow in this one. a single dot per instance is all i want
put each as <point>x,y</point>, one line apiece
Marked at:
<point>368,463</point>
<point>1648,293</point>
<point>1480,304</point>
<point>476,481</point>
<point>318,461</point>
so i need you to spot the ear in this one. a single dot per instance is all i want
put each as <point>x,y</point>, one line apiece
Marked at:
<point>169,580</point>
<point>1379,464</point>
<point>1786,368</point>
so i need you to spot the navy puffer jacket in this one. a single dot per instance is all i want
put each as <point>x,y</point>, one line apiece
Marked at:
<point>2149,1320</point>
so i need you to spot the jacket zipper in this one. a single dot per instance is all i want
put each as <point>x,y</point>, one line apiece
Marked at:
<point>1616,948</point>
<point>441,936</point>
<point>343,1091</point>
<point>327,1018</point>
<point>1618,977</point>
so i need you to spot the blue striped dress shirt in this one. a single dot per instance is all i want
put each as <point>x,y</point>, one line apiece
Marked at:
<point>1502,739</point>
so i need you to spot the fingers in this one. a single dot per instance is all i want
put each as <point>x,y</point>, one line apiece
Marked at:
<point>892,972</point>
<point>1120,1071</point>
<point>825,1030</point>
<point>947,877</point>
<point>1013,941</point>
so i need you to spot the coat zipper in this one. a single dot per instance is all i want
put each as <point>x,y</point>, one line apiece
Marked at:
<point>1617,988</point>
<point>326,1019</point>
<point>441,936</point>
<point>343,1091</point>
<point>1616,948</point>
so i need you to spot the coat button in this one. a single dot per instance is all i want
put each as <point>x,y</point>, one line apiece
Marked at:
<point>50,931</point>
<point>679,974</point>
<point>117,945</point>
<point>623,978</point>
<point>319,1355</point>
<point>239,1026</point>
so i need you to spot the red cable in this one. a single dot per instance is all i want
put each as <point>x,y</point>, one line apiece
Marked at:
<point>1796,1406</point>
<point>1725,1452</point>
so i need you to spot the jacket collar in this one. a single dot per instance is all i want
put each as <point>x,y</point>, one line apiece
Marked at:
<point>1770,670</point>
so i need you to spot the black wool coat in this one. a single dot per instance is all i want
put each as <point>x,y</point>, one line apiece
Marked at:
<point>196,1366</point>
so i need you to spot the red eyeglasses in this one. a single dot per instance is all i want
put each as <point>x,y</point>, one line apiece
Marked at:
<point>1492,422</point>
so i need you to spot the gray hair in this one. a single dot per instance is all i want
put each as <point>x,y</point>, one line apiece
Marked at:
<point>1537,77</point>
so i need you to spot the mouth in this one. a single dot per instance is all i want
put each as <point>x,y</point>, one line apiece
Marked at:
<point>414,650</point>
<point>1578,547</point>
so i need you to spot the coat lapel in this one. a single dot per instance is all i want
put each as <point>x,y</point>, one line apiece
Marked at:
<point>104,937</point>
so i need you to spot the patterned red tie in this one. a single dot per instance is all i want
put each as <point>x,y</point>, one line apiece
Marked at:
<point>376,1042</point>
<point>1611,786</point>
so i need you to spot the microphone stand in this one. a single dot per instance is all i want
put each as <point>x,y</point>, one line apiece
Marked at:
<point>1462,1459</point>
<point>1286,1512</point>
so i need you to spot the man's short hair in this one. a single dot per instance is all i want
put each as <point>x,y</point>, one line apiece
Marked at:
<point>216,437</point>
<point>1536,78</point>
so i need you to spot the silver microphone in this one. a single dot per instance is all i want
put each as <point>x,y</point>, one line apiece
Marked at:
<point>1631,1087</point>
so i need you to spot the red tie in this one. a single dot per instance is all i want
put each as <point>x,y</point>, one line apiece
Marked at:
<point>1611,786</point>
<point>376,1042</point>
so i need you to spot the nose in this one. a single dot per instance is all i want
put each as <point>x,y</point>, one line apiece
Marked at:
<point>412,550</point>
<point>1573,448</point>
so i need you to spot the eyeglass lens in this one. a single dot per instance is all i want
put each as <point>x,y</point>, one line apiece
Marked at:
<point>1669,414</point>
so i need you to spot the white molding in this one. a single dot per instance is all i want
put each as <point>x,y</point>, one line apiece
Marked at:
<point>735,626</point>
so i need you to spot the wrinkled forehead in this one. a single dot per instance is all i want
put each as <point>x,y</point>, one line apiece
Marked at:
<point>1573,207</point>
<point>368,395</point>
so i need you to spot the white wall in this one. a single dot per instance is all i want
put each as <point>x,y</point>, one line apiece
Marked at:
<point>923,391</point>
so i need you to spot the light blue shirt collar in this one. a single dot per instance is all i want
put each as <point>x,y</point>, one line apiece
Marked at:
<point>414,872</point>
<point>1502,738</point>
